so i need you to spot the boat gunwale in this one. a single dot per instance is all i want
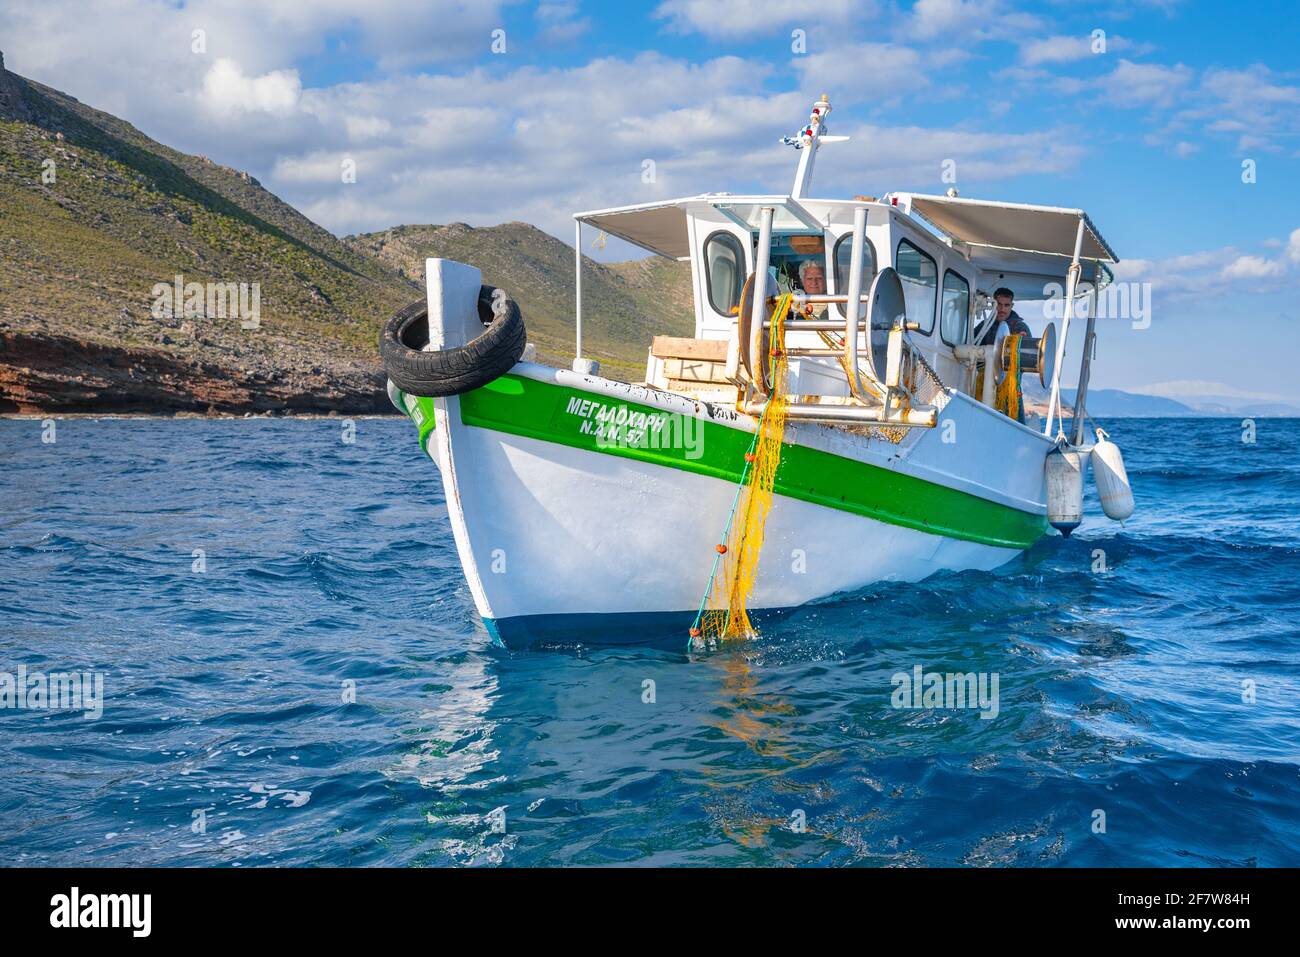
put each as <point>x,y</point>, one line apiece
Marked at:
<point>812,435</point>
<point>982,527</point>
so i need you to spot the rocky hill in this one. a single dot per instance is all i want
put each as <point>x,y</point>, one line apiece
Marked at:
<point>97,221</point>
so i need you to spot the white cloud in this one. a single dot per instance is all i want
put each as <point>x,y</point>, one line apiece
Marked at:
<point>1134,84</point>
<point>545,141</point>
<point>1067,49</point>
<point>930,18</point>
<point>884,69</point>
<point>562,139</point>
<point>1057,49</point>
<point>1253,267</point>
<point>729,19</point>
<point>1251,103</point>
<point>979,19</point>
<point>1212,273</point>
<point>560,22</point>
<point>1130,85</point>
<point>913,157</point>
<point>226,90</point>
<point>135,59</point>
<point>362,128</point>
<point>1128,270</point>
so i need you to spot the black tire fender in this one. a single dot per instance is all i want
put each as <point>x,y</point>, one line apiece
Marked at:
<point>462,368</point>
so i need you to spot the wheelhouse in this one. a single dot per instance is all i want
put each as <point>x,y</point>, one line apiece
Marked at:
<point>948,253</point>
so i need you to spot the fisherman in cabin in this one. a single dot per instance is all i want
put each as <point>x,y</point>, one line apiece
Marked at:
<point>812,278</point>
<point>1004,298</point>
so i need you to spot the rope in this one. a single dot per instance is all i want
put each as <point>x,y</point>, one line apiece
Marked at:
<point>722,613</point>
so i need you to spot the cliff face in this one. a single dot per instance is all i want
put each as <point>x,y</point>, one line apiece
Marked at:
<point>13,104</point>
<point>42,373</point>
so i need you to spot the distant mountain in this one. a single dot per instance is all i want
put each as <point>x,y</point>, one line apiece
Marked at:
<point>1214,404</point>
<point>1111,403</point>
<point>1118,404</point>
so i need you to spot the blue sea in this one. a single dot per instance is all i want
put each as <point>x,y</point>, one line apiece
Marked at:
<point>293,674</point>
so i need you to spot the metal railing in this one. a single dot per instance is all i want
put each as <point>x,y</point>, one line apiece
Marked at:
<point>892,400</point>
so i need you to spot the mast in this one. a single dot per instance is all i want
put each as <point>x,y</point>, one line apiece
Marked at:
<point>807,142</point>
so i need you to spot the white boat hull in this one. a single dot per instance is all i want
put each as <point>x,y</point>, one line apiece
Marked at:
<point>572,524</point>
<point>561,543</point>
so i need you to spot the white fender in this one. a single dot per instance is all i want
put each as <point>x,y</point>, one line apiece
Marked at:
<point>1112,481</point>
<point>1064,469</point>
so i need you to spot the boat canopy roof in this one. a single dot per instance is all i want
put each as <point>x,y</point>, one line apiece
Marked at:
<point>659,227</point>
<point>1016,245</point>
<point>1026,245</point>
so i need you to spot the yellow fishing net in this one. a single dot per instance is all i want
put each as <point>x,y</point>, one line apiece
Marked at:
<point>1007,398</point>
<point>723,613</point>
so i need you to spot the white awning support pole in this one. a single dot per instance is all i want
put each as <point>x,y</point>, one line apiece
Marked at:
<point>1085,364</point>
<point>577,285</point>
<point>853,304</point>
<point>762,256</point>
<point>1071,284</point>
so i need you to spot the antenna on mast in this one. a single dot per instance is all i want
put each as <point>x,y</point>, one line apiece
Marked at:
<point>808,140</point>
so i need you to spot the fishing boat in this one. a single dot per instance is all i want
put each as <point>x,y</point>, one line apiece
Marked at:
<point>586,509</point>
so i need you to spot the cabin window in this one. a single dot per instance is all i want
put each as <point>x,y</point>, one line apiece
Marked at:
<point>954,310</point>
<point>920,277</point>
<point>724,272</point>
<point>843,260</point>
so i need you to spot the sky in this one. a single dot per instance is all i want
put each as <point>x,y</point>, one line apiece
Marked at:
<point>1175,124</point>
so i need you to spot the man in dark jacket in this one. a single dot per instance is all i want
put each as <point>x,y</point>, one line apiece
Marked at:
<point>1004,297</point>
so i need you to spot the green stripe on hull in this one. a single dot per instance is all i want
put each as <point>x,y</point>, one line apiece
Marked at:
<point>571,417</point>
<point>420,410</point>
